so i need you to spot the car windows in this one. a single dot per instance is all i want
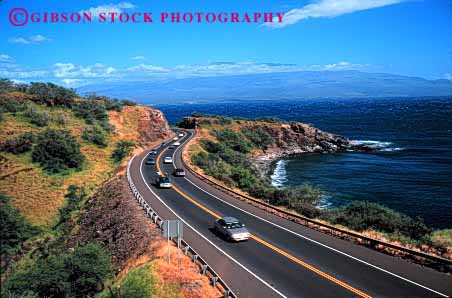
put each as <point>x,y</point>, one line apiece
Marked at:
<point>234,225</point>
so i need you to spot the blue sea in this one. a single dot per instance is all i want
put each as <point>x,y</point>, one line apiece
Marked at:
<point>410,171</point>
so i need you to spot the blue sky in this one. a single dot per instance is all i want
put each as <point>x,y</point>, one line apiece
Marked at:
<point>394,36</point>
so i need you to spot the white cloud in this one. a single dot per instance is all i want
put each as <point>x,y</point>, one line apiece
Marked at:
<point>73,75</point>
<point>109,8</point>
<point>343,65</point>
<point>148,68</point>
<point>448,76</point>
<point>6,58</point>
<point>23,74</point>
<point>70,70</point>
<point>35,39</point>
<point>329,9</point>
<point>73,82</point>
<point>137,58</point>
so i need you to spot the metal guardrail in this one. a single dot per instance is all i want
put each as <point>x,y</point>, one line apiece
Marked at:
<point>205,268</point>
<point>437,262</point>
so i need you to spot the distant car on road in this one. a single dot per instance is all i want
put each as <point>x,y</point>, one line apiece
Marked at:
<point>150,161</point>
<point>164,182</point>
<point>232,229</point>
<point>153,151</point>
<point>175,138</point>
<point>177,143</point>
<point>171,147</point>
<point>168,159</point>
<point>181,135</point>
<point>179,173</point>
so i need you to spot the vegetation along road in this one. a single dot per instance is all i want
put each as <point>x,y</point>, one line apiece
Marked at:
<point>282,258</point>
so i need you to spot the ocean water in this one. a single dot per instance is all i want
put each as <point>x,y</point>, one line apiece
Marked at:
<point>410,171</point>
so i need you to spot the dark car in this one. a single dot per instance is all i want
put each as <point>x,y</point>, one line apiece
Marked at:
<point>153,151</point>
<point>232,229</point>
<point>179,172</point>
<point>171,147</point>
<point>150,161</point>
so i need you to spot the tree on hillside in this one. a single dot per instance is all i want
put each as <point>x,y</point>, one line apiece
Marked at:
<point>123,148</point>
<point>14,229</point>
<point>51,94</point>
<point>78,274</point>
<point>57,150</point>
<point>91,110</point>
<point>6,85</point>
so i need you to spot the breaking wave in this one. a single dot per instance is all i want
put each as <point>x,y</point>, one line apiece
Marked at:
<point>279,176</point>
<point>377,145</point>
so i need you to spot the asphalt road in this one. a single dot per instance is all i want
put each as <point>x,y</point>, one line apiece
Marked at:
<point>282,258</point>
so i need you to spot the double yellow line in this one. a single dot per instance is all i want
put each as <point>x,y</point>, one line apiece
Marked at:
<point>265,243</point>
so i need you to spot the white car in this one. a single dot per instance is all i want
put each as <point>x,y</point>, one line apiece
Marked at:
<point>164,182</point>
<point>181,135</point>
<point>177,144</point>
<point>168,159</point>
<point>175,138</point>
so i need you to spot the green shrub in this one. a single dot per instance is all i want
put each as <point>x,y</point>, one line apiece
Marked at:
<point>14,229</point>
<point>57,151</point>
<point>80,274</point>
<point>6,85</point>
<point>123,148</point>
<point>60,118</point>
<point>91,110</point>
<point>9,105</point>
<point>138,283</point>
<point>243,177</point>
<point>20,144</point>
<point>128,102</point>
<point>96,135</point>
<point>46,278</point>
<point>89,266</point>
<point>51,94</point>
<point>74,197</point>
<point>258,136</point>
<point>233,140</point>
<point>361,216</point>
<point>37,117</point>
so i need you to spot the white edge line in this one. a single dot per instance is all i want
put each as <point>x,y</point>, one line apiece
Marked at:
<point>205,238</point>
<point>307,238</point>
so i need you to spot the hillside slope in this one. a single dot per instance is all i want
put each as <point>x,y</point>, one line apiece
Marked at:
<point>39,195</point>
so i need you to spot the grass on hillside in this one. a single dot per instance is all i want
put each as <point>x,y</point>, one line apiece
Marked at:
<point>39,195</point>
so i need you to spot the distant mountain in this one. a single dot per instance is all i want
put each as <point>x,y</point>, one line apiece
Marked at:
<point>288,85</point>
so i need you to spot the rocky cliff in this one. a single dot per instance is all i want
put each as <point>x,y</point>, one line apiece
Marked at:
<point>296,138</point>
<point>287,138</point>
<point>142,124</point>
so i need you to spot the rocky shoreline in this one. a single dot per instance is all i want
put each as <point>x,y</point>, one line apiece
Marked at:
<point>299,138</point>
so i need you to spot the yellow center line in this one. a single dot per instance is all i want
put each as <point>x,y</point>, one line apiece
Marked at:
<point>268,245</point>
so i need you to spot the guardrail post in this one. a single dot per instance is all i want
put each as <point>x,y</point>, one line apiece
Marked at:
<point>227,293</point>
<point>194,258</point>
<point>204,269</point>
<point>214,280</point>
<point>186,249</point>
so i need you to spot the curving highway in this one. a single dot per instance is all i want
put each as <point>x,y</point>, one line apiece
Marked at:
<point>282,258</point>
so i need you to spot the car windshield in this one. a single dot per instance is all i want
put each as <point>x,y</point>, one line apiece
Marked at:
<point>164,180</point>
<point>234,225</point>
